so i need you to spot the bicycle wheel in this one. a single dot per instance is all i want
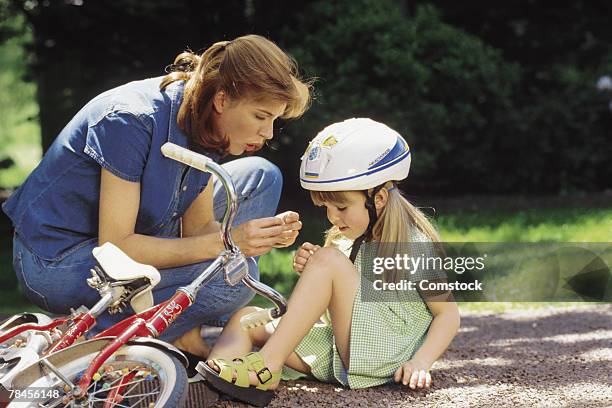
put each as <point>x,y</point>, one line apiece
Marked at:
<point>135,376</point>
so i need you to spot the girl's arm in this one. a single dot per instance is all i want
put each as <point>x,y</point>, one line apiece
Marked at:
<point>119,205</point>
<point>442,330</point>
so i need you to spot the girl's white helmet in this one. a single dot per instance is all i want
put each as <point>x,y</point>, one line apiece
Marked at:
<point>356,154</point>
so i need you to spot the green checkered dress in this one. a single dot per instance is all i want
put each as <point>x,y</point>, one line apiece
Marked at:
<point>384,335</point>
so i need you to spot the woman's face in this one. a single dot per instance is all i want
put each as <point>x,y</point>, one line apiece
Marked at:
<point>245,123</point>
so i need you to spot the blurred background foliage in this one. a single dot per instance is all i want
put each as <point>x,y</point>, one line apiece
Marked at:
<point>492,99</point>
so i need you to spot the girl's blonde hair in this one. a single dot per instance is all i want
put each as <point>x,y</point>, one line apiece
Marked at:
<point>394,227</point>
<point>247,67</point>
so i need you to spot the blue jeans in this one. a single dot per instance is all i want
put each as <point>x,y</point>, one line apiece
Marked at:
<point>59,286</point>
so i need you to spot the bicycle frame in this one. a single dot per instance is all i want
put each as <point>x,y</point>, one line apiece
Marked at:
<point>79,323</point>
<point>31,326</point>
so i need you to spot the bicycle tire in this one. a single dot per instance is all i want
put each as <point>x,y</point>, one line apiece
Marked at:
<point>150,367</point>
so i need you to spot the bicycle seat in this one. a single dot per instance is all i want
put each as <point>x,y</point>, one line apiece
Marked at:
<point>120,267</point>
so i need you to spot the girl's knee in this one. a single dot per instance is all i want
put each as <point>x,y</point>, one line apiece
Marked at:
<point>330,261</point>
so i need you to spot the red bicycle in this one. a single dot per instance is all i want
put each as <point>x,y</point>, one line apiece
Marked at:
<point>125,365</point>
<point>25,337</point>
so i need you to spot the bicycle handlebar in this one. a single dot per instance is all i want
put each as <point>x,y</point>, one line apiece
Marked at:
<point>205,164</point>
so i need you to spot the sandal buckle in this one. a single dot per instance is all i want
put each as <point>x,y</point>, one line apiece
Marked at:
<point>263,371</point>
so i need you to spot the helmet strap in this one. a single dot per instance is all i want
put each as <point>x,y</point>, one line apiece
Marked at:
<point>355,248</point>
<point>373,216</point>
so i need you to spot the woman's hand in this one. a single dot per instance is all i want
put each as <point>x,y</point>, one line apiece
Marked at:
<point>302,254</point>
<point>292,220</point>
<point>257,237</point>
<point>414,374</point>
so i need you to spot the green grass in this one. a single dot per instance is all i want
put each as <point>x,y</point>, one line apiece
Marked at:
<point>502,307</point>
<point>14,302</point>
<point>19,128</point>
<point>537,225</point>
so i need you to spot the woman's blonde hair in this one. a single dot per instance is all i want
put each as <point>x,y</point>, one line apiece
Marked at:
<point>247,67</point>
<point>394,227</point>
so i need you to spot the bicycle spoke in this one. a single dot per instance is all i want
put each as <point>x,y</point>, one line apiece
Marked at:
<point>124,374</point>
<point>144,396</point>
<point>138,402</point>
<point>97,391</point>
<point>112,388</point>
<point>110,384</point>
<point>115,404</point>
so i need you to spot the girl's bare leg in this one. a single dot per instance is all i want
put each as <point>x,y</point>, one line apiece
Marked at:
<point>234,341</point>
<point>329,281</point>
<point>193,342</point>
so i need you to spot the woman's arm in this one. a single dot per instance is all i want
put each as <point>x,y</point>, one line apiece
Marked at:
<point>199,217</point>
<point>119,204</point>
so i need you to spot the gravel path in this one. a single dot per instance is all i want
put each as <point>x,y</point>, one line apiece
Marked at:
<point>557,357</point>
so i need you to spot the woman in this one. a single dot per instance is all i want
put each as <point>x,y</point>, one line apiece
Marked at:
<point>105,180</point>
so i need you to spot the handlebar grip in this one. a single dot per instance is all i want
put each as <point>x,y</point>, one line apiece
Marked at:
<point>185,156</point>
<point>256,319</point>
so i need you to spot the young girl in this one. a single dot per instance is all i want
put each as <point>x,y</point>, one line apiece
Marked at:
<point>350,168</point>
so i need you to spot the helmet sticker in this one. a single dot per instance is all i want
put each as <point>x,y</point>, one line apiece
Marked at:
<point>311,175</point>
<point>329,141</point>
<point>314,153</point>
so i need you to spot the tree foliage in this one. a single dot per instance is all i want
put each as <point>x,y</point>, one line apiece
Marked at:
<point>446,91</point>
<point>565,122</point>
<point>491,99</point>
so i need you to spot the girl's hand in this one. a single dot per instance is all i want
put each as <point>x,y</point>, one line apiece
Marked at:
<point>257,237</point>
<point>414,374</point>
<point>302,254</point>
<point>292,220</point>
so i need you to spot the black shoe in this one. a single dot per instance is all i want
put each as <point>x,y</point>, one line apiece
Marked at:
<point>192,362</point>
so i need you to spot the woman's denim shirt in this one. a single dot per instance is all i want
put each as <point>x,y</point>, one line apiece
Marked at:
<point>122,130</point>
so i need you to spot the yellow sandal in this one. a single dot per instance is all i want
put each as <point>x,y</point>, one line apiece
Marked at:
<point>239,387</point>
